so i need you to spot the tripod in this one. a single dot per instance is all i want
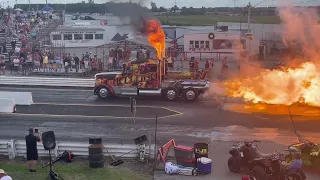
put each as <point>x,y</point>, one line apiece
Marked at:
<point>52,175</point>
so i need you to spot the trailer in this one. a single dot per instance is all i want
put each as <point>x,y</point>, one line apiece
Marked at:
<point>151,78</point>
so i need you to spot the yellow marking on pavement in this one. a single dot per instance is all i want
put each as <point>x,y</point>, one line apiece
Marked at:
<point>177,113</point>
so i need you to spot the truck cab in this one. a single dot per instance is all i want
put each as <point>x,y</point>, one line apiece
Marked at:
<point>149,78</point>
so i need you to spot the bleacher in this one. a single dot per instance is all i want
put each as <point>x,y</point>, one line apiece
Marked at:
<point>44,32</point>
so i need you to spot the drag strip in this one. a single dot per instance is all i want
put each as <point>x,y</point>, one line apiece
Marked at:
<point>100,111</point>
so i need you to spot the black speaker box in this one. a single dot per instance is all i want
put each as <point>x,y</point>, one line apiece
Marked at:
<point>95,141</point>
<point>48,140</point>
<point>141,139</point>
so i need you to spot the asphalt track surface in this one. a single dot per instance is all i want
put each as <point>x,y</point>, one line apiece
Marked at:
<point>78,115</point>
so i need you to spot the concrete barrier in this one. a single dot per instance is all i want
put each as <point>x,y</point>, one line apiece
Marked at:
<point>20,98</point>
<point>7,105</point>
<point>45,81</point>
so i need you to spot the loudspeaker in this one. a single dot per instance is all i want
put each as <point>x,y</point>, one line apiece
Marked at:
<point>141,139</point>
<point>48,140</point>
<point>95,141</point>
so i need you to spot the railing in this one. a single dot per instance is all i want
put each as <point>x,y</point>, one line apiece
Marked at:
<point>17,148</point>
<point>217,56</point>
<point>41,81</point>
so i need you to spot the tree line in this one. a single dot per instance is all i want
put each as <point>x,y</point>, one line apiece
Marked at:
<point>122,8</point>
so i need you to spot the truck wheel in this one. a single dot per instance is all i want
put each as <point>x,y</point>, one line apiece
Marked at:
<point>171,94</point>
<point>190,94</point>
<point>103,93</point>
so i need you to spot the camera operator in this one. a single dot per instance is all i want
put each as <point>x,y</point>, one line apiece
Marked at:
<point>4,175</point>
<point>32,151</point>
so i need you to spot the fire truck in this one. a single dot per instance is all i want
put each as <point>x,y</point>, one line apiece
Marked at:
<point>150,77</point>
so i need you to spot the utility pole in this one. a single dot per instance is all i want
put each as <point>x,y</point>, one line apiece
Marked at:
<point>249,23</point>
<point>249,17</point>
<point>234,6</point>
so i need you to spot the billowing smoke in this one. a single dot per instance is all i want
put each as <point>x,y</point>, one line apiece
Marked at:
<point>132,10</point>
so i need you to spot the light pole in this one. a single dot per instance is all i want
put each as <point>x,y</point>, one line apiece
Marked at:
<point>234,6</point>
<point>249,23</point>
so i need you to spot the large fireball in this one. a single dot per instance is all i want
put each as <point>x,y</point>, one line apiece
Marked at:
<point>298,84</point>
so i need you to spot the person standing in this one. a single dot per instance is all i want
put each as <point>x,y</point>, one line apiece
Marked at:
<point>224,69</point>
<point>86,67</point>
<point>32,150</point>
<point>191,64</point>
<point>77,62</point>
<point>4,175</point>
<point>2,66</point>
<point>45,62</point>
<point>70,61</point>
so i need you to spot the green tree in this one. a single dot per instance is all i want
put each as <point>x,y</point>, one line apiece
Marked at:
<point>174,8</point>
<point>154,7</point>
<point>162,9</point>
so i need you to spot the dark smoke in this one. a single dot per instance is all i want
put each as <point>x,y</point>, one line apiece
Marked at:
<point>133,10</point>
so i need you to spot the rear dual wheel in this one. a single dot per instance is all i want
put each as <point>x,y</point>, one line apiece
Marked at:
<point>190,94</point>
<point>172,94</point>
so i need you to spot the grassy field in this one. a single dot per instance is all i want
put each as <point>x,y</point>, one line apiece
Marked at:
<point>211,20</point>
<point>73,171</point>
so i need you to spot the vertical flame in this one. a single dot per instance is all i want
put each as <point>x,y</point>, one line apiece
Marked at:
<point>156,37</point>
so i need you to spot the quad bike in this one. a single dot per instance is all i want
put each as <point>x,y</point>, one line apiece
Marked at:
<point>270,168</point>
<point>243,154</point>
<point>310,153</point>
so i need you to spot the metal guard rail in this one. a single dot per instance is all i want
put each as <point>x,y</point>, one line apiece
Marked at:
<point>17,148</point>
<point>41,81</point>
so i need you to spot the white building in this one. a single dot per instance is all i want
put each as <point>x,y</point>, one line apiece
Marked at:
<point>82,38</point>
<point>224,44</point>
<point>268,33</point>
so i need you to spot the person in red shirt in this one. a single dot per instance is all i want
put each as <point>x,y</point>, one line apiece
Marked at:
<point>196,65</point>
<point>100,66</point>
<point>224,69</point>
<point>23,42</point>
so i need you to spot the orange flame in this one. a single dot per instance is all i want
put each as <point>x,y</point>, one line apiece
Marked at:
<point>156,37</point>
<point>288,85</point>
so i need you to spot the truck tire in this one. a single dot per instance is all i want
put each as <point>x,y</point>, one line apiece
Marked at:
<point>103,92</point>
<point>190,94</point>
<point>171,94</point>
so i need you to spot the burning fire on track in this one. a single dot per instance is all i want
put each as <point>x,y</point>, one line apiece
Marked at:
<point>156,36</point>
<point>287,86</point>
<point>298,84</point>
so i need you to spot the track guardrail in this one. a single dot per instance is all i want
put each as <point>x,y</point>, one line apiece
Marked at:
<point>43,81</point>
<point>17,148</point>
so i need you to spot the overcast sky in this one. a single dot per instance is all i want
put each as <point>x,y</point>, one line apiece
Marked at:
<point>180,3</point>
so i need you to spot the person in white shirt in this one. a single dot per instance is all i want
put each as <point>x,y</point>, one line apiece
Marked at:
<point>17,50</point>
<point>86,67</point>
<point>4,175</point>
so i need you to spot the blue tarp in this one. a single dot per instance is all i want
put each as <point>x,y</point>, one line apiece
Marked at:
<point>47,8</point>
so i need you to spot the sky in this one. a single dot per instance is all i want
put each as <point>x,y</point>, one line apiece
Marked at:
<point>181,3</point>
